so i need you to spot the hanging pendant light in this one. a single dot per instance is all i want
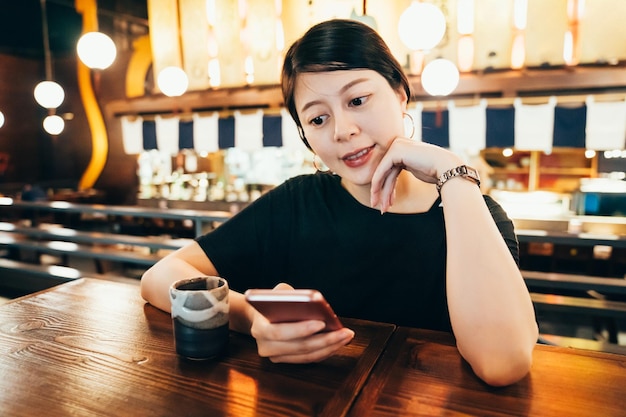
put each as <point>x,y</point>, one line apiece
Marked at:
<point>465,28</point>
<point>53,124</point>
<point>48,94</point>
<point>96,50</point>
<point>1,119</point>
<point>173,81</point>
<point>440,77</point>
<point>421,26</point>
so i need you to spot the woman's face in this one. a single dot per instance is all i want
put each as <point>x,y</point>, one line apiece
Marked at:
<point>350,118</point>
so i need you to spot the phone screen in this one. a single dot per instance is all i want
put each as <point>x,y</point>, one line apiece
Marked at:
<point>281,306</point>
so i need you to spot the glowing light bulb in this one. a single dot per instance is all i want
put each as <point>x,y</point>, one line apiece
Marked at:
<point>440,77</point>
<point>173,81</point>
<point>53,124</point>
<point>96,50</point>
<point>49,94</point>
<point>421,26</point>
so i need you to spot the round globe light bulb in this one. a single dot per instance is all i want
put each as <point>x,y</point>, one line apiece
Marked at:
<point>440,77</point>
<point>49,94</point>
<point>421,26</point>
<point>96,50</point>
<point>53,124</point>
<point>1,119</point>
<point>172,81</point>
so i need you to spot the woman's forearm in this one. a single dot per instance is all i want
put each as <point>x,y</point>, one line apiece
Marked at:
<point>190,262</point>
<point>156,281</point>
<point>187,262</point>
<point>490,309</point>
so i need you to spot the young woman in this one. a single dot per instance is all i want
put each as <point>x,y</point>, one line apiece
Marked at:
<point>397,230</point>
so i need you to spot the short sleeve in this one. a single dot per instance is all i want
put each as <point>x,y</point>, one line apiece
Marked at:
<point>505,226</point>
<point>247,249</point>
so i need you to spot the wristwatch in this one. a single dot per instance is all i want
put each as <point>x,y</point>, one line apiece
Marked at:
<point>463,171</point>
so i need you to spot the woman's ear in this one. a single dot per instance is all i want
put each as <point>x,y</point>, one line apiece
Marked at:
<point>404,100</point>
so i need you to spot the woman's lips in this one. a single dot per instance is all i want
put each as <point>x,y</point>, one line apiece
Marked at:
<point>358,158</point>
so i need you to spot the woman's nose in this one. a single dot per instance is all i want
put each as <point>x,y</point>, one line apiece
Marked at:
<point>345,126</point>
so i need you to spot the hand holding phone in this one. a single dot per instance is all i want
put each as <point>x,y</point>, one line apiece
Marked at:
<point>283,306</point>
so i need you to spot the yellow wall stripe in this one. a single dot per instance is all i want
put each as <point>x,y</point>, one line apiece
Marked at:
<point>99,139</point>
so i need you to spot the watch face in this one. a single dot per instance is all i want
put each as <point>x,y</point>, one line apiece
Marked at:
<point>471,172</point>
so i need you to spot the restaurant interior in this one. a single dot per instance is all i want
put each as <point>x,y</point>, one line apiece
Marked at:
<point>186,114</point>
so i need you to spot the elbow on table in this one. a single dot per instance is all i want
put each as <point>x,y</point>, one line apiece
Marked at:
<point>150,293</point>
<point>502,370</point>
<point>144,285</point>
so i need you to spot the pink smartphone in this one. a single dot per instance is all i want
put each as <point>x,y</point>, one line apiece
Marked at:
<point>281,306</point>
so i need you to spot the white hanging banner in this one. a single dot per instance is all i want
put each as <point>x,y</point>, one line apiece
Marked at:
<point>206,132</point>
<point>606,125</point>
<point>534,125</point>
<point>132,134</point>
<point>249,130</point>
<point>467,127</point>
<point>167,134</point>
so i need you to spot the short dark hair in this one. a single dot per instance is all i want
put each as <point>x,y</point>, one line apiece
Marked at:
<point>339,44</point>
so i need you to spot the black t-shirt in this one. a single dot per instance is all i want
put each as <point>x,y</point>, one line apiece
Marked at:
<point>311,233</point>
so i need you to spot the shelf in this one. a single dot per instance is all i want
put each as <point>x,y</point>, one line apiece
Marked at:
<point>558,171</point>
<point>510,171</point>
<point>567,171</point>
<point>495,85</point>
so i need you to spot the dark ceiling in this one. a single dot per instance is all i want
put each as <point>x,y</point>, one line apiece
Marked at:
<point>21,24</point>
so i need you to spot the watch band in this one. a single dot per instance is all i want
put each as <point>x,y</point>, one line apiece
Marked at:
<point>463,171</point>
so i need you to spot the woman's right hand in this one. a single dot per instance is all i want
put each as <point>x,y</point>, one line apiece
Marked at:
<point>297,342</point>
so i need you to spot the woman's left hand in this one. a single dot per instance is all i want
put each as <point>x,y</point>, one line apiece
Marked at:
<point>423,160</point>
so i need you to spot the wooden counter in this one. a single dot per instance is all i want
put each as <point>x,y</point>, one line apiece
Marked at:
<point>93,347</point>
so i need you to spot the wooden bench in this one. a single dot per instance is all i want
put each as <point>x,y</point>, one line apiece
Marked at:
<point>68,249</point>
<point>580,343</point>
<point>549,292</point>
<point>570,239</point>
<point>579,305</point>
<point>90,252</point>
<point>203,220</point>
<point>19,278</point>
<point>56,232</point>
<point>574,282</point>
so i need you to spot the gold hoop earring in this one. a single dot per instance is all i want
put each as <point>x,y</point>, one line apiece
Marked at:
<point>316,165</point>
<point>412,124</point>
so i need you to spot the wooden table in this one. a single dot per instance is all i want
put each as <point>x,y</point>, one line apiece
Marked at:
<point>92,347</point>
<point>421,373</point>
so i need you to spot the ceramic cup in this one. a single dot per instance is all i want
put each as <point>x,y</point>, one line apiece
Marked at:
<point>200,316</point>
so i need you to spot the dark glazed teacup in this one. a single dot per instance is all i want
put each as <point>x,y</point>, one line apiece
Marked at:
<point>200,316</point>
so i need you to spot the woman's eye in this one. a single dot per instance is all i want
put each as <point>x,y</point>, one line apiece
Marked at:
<point>358,101</point>
<point>317,120</point>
